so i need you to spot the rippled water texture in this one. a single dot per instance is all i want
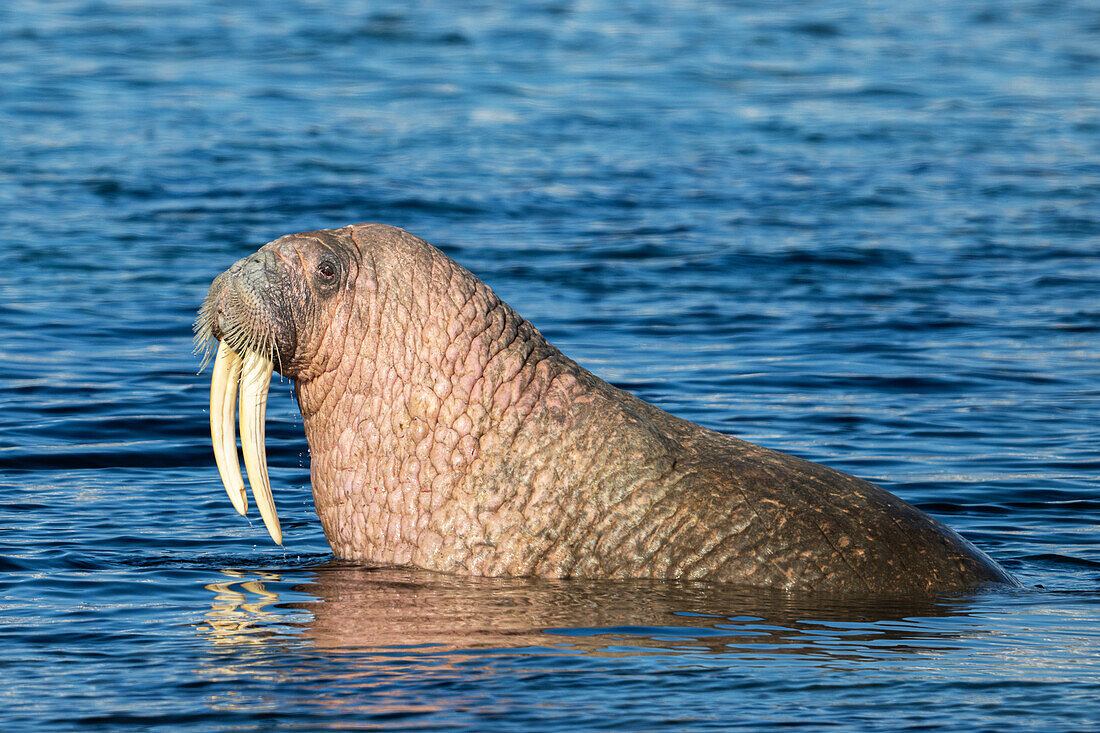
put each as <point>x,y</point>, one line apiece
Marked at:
<point>863,233</point>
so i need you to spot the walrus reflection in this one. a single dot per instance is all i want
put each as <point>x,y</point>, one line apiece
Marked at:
<point>360,609</point>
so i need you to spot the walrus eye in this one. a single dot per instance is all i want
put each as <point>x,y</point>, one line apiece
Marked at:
<point>325,277</point>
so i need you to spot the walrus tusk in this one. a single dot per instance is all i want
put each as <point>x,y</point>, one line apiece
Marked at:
<point>223,429</point>
<point>255,380</point>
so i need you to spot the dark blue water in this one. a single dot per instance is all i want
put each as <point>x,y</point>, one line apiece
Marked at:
<point>864,233</point>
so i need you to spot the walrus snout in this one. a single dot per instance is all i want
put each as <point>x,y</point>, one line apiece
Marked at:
<point>245,309</point>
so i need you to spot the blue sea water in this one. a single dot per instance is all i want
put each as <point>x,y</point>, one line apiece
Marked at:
<point>864,233</point>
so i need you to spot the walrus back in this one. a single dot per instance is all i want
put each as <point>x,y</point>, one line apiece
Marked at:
<point>743,514</point>
<point>805,525</point>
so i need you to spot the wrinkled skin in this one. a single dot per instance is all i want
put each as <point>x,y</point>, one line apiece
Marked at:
<point>446,433</point>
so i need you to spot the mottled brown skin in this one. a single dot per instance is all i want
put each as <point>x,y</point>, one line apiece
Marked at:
<point>446,433</point>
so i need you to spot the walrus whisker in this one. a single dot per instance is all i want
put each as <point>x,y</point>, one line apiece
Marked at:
<point>207,346</point>
<point>204,340</point>
<point>238,335</point>
<point>273,346</point>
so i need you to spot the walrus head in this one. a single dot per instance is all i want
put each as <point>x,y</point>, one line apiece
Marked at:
<point>282,307</point>
<point>384,337</point>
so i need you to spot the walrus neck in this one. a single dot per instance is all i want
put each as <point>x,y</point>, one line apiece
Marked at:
<point>400,434</point>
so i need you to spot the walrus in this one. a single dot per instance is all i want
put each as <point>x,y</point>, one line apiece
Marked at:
<point>446,433</point>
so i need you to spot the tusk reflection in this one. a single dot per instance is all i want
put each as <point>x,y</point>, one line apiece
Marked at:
<point>240,616</point>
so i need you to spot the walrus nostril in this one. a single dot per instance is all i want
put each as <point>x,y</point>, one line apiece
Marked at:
<point>252,266</point>
<point>260,265</point>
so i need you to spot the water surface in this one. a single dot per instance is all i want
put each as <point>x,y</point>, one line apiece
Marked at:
<point>865,234</point>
